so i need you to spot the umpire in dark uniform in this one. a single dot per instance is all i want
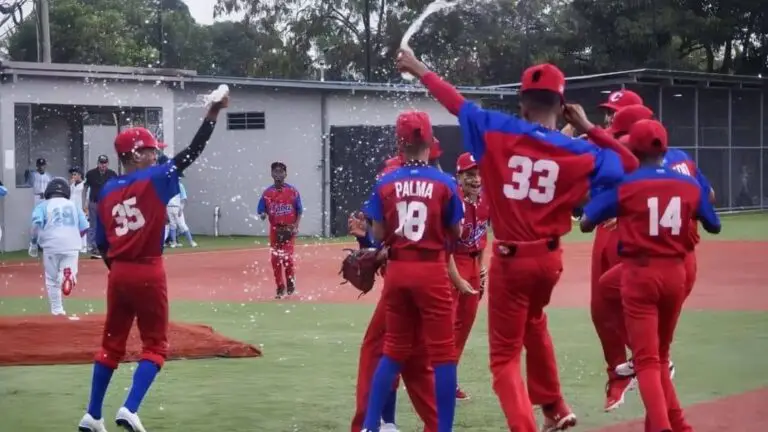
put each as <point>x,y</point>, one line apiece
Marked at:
<point>94,182</point>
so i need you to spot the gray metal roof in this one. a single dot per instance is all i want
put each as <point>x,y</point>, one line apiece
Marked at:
<point>12,70</point>
<point>657,76</point>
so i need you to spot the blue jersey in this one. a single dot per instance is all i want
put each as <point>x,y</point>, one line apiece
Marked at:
<point>417,206</point>
<point>681,162</point>
<point>58,225</point>
<point>533,177</point>
<point>131,216</point>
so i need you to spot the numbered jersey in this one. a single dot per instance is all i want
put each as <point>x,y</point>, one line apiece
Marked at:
<point>533,177</point>
<point>417,205</point>
<point>655,207</point>
<point>474,226</point>
<point>132,212</point>
<point>59,224</point>
<point>679,161</point>
<point>282,206</point>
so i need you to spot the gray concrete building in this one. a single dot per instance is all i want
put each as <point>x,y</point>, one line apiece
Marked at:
<point>69,114</point>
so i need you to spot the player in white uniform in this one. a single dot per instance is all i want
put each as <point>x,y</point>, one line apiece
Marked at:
<point>76,186</point>
<point>39,180</point>
<point>57,228</point>
<point>176,223</point>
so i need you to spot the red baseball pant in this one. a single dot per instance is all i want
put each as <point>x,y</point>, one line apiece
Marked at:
<point>465,306</point>
<point>519,287</point>
<point>605,307</point>
<point>136,290</point>
<point>282,259</point>
<point>416,374</point>
<point>653,291</point>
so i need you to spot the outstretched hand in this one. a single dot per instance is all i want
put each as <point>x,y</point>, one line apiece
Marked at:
<point>407,62</point>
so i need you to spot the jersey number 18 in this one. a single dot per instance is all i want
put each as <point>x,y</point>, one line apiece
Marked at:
<point>670,217</point>
<point>127,216</point>
<point>412,220</point>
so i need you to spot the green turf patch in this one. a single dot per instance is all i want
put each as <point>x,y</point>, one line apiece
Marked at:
<point>305,381</point>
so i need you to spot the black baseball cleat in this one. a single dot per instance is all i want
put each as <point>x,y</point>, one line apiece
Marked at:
<point>280,292</point>
<point>291,286</point>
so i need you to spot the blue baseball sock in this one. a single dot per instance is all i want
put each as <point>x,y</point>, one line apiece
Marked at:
<point>445,391</point>
<point>381,386</point>
<point>172,235</point>
<point>102,375</point>
<point>142,380</point>
<point>388,414</point>
<point>188,235</point>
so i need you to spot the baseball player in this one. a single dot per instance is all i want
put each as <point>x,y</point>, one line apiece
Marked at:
<point>605,301</point>
<point>58,226</point>
<point>281,203</point>
<point>533,176</point>
<point>416,371</point>
<point>176,223</point>
<point>76,186</point>
<point>130,218</point>
<point>39,180</point>
<point>415,211</point>
<point>655,206</point>
<point>466,266</point>
<point>3,192</point>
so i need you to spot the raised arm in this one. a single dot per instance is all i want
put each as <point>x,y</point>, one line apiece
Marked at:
<point>186,157</point>
<point>444,92</point>
<point>578,119</point>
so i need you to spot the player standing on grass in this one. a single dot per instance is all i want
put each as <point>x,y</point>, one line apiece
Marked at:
<point>129,234</point>
<point>416,373</point>
<point>655,206</point>
<point>416,210</point>
<point>533,177</point>
<point>58,225</point>
<point>466,265</point>
<point>281,203</point>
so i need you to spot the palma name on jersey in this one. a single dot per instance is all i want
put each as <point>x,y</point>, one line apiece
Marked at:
<point>418,188</point>
<point>682,168</point>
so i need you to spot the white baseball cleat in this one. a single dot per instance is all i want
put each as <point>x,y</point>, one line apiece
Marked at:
<point>129,421</point>
<point>628,369</point>
<point>388,427</point>
<point>90,424</point>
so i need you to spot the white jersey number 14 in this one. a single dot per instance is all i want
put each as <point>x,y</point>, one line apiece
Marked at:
<point>670,218</point>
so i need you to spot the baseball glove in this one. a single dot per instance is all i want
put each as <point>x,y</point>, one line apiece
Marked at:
<point>284,233</point>
<point>359,268</point>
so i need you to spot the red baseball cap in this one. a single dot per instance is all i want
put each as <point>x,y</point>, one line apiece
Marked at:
<point>626,116</point>
<point>136,138</point>
<point>465,162</point>
<point>648,137</point>
<point>543,77</point>
<point>622,98</point>
<point>412,126</point>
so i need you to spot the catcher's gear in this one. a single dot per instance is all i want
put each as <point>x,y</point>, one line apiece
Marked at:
<point>359,268</point>
<point>283,233</point>
<point>57,187</point>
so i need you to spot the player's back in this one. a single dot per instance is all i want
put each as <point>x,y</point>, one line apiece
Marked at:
<point>533,184</point>
<point>61,223</point>
<point>418,205</point>
<point>657,206</point>
<point>681,162</point>
<point>132,210</point>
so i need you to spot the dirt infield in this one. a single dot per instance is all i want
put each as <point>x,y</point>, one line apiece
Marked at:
<point>59,340</point>
<point>743,413</point>
<point>731,276</point>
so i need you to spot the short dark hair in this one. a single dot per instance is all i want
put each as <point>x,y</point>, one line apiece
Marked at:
<point>276,165</point>
<point>541,99</point>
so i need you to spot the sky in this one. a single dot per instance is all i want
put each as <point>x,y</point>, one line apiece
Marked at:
<point>202,10</point>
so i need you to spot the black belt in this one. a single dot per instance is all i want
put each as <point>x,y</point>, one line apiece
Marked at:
<point>511,249</point>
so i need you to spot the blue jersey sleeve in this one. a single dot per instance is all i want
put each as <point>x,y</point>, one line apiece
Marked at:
<point>165,179</point>
<point>706,186</point>
<point>261,208</point>
<point>374,209</point>
<point>100,234</point>
<point>82,221</point>
<point>607,173</point>
<point>454,210</point>
<point>475,122</point>
<point>38,220</point>
<point>602,207</point>
<point>182,191</point>
<point>707,215</point>
<point>3,191</point>
<point>297,204</point>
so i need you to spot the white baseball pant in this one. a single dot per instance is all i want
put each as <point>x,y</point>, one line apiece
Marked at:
<point>176,219</point>
<point>54,265</point>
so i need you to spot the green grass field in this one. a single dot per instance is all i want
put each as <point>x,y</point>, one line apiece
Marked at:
<point>305,381</point>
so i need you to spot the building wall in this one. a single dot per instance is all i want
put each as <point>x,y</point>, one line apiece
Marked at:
<point>16,207</point>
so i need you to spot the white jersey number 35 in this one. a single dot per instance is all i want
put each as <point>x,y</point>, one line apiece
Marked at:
<point>127,216</point>
<point>521,187</point>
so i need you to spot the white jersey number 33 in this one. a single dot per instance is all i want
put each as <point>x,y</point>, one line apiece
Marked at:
<point>540,189</point>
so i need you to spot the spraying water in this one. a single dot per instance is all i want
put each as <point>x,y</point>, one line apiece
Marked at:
<point>206,100</point>
<point>431,8</point>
